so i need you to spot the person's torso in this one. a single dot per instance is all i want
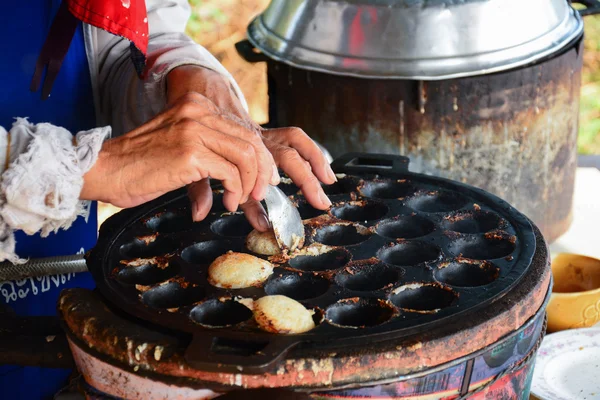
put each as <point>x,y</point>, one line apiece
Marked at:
<point>23,28</point>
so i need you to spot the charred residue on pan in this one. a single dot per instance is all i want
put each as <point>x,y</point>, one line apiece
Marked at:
<point>386,189</point>
<point>146,271</point>
<point>324,259</point>
<point>170,221</point>
<point>297,286</point>
<point>357,312</point>
<point>489,246</point>
<point>436,201</point>
<point>463,272</point>
<point>474,221</point>
<point>339,233</point>
<point>233,225</point>
<point>345,185</point>
<point>405,227</point>
<point>404,253</point>
<point>220,313</point>
<point>308,212</point>
<point>172,294</point>
<point>359,210</point>
<point>368,275</point>
<point>423,298</point>
<point>148,246</point>
<point>204,253</point>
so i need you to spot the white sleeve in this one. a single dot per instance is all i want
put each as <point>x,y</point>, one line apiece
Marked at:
<point>125,101</point>
<point>42,169</point>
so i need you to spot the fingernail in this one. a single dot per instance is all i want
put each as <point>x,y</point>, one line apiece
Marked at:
<point>263,221</point>
<point>275,178</point>
<point>194,211</point>
<point>324,199</point>
<point>332,175</point>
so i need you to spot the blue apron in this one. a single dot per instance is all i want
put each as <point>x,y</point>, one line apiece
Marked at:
<point>24,25</point>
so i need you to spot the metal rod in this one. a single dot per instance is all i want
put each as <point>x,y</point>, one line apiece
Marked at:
<point>37,267</point>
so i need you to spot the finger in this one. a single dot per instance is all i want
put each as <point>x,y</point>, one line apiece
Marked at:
<point>267,171</point>
<point>193,106</point>
<point>200,195</point>
<point>297,139</point>
<point>256,215</point>
<point>219,168</point>
<point>300,172</point>
<point>240,153</point>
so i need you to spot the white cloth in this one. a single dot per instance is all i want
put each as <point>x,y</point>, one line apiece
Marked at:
<point>40,188</point>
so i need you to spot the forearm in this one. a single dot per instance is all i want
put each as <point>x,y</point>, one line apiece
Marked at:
<point>126,101</point>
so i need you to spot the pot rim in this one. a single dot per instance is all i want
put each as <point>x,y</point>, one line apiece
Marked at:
<point>301,56</point>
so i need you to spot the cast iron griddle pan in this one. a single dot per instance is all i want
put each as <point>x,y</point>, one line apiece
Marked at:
<point>409,253</point>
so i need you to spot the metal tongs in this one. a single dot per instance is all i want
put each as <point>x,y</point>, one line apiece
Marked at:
<point>285,219</point>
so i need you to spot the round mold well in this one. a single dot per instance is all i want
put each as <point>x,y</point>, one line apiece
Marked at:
<point>405,227</point>
<point>466,273</point>
<point>473,222</point>
<point>436,202</point>
<point>235,225</point>
<point>217,204</point>
<point>423,297</point>
<point>328,261</point>
<point>340,235</point>
<point>297,287</point>
<point>148,247</point>
<point>204,253</point>
<point>307,211</point>
<point>409,252</point>
<point>172,295</point>
<point>386,189</point>
<point>169,221</point>
<point>148,273</point>
<point>483,247</point>
<point>288,189</point>
<point>360,211</point>
<point>359,313</point>
<point>216,313</point>
<point>344,185</point>
<point>368,275</point>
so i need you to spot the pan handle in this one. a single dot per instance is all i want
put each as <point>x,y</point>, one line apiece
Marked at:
<point>592,7</point>
<point>361,163</point>
<point>250,53</point>
<point>235,354</point>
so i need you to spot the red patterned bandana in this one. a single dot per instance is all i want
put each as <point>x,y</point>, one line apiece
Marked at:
<point>125,18</point>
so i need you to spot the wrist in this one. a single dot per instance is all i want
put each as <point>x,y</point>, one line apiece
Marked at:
<point>95,185</point>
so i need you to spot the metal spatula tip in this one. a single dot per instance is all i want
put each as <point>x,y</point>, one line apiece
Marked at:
<point>285,219</point>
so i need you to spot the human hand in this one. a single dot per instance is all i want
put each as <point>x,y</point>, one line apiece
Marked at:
<point>195,139</point>
<point>187,143</point>
<point>292,149</point>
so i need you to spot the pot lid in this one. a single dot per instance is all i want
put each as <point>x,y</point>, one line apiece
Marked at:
<point>413,39</point>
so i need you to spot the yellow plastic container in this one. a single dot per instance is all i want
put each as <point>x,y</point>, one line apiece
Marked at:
<point>575,300</point>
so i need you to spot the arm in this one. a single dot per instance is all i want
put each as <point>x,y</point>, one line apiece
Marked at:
<point>178,66</point>
<point>126,102</point>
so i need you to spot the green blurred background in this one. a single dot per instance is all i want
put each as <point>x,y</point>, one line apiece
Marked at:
<point>219,24</point>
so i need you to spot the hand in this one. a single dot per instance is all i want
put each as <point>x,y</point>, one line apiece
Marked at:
<point>292,149</point>
<point>188,142</point>
<point>195,139</point>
